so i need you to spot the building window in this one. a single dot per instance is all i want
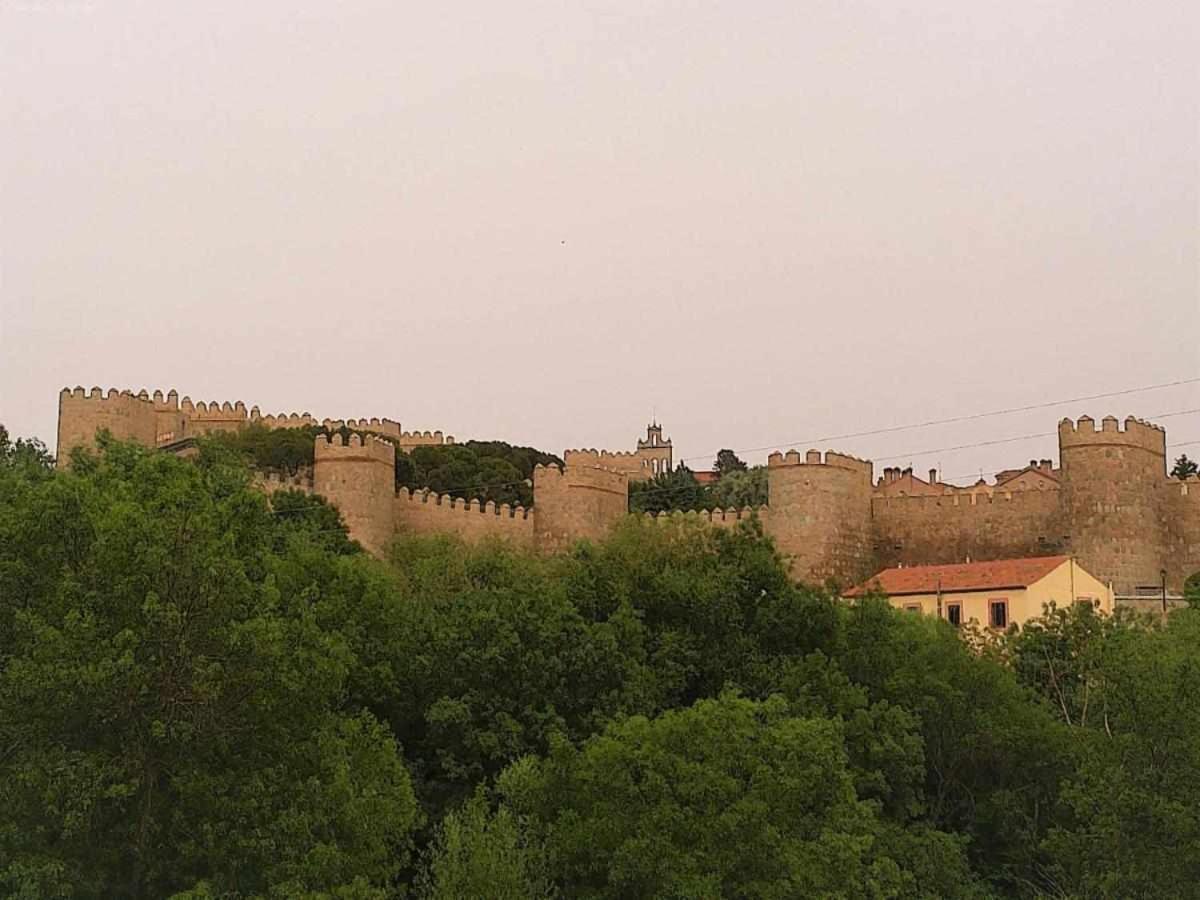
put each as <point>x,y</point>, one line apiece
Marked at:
<point>954,614</point>
<point>998,613</point>
<point>912,607</point>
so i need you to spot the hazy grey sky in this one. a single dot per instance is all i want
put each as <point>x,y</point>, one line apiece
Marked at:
<point>764,221</point>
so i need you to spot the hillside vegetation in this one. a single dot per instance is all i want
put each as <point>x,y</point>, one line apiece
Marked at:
<point>487,470</point>
<point>208,693</point>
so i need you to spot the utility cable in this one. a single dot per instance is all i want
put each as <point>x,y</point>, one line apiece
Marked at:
<point>909,455</point>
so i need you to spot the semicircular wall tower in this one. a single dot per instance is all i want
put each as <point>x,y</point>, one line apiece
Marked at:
<point>1111,478</point>
<point>821,515</point>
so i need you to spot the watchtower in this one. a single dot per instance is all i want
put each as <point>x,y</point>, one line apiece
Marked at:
<point>821,514</point>
<point>359,477</point>
<point>123,414</point>
<point>576,502</point>
<point>1111,480</point>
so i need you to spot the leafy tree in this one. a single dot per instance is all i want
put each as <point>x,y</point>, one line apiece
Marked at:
<point>29,455</point>
<point>1184,467</point>
<point>712,605</point>
<point>1060,655</point>
<point>483,855</point>
<point>677,489</point>
<point>271,449</point>
<point>994,759</point>
<point>487,470</point>
<point>486,658</point>
<point>311,518</point>
<point>738,490</point>
<point>1132,828</point>
<point>170,719</point>
<point>729,797</point>
<point>727,462</point>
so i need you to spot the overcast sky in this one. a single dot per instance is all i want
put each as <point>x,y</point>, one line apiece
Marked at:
<point>763,222</point>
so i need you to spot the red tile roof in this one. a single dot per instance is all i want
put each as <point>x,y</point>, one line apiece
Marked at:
<point>977,576</point>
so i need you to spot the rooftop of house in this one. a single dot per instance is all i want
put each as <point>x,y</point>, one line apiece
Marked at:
<point>973,576</point>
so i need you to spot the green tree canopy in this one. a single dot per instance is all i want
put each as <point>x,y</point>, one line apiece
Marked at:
<point>727,462</point>
<point>677,489</point>
<point>727,798</point>
<point>1184,467</point>
<point>170,719</point>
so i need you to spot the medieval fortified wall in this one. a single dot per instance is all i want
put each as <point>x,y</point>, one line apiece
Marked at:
<point>1109,502</point>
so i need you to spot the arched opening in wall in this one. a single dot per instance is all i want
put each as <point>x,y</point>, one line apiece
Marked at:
<point>654,466</point>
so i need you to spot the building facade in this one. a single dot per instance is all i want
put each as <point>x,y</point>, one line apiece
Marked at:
<point>994,594</point>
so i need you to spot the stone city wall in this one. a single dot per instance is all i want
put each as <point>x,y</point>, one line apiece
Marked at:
<point>952,528</point>
<point>425,512</point>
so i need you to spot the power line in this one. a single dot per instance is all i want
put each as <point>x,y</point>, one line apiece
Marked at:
<point>1023,437</point>
<point>963,418</point>
<point>909,455</point>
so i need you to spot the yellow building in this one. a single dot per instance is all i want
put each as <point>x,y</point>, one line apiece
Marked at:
<point>995,594</point>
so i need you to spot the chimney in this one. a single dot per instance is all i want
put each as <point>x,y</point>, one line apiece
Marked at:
<point>1046,465</point>
<point>1033,464</point>
<point>907,471</point>
<point>933,476</point>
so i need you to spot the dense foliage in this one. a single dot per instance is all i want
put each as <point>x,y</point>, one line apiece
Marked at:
<point>205,693</point>
<point>737,488</point>
<point>1184,467</point>
<point>488,470</point>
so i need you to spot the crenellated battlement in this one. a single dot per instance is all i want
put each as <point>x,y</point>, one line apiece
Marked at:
<point>410,439</point>
<point>374,425</point>
<point>1133,432</point>
<point>281,420</point>
<point>1109,502</point>
<point>816,458</point>
<point>653,456</point>
<point>213,411</point>
<point>427,512</point>
<point>588,453</point>
<point>278,481</point>
<point>965,499</point>
<point>335,447</point>
<point>446,501</point>
<point>97,393</point>
<point>83,413</point>
<point>716,517</point>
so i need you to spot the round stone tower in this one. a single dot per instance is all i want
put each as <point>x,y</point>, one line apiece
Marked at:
<point>359,477</point>
<point>81,414</point>
<point>1111,480</point>
<point>820,515</point>
<point>575,503</point>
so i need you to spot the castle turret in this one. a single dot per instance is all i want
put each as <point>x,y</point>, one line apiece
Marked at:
<point>1111,478</point>
<point>821,514</point>
<point>575,503</point>
<point>359,477</point>
<point>81,414</point>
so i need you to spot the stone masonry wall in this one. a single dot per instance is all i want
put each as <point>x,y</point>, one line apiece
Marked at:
<point>81,414</point>
<point>359,478</point>
<point>1111,480</point>
<point>1116,511</point>
<point>820,515</point>
<point>638,465</point>
<point>955,527</point>
<point>576,502</point>
<point>424,512</point>
<point>1181,513</point>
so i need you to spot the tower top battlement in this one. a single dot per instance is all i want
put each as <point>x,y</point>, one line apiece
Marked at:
<point>816,458</point>
<point>1134,432</point>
